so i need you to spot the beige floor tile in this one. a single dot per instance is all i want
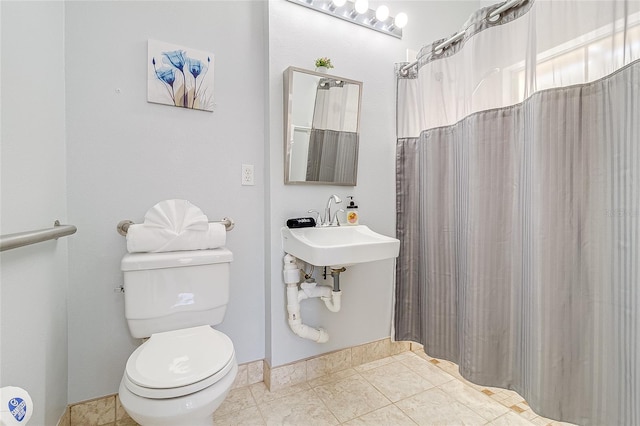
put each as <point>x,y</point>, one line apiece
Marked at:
<point>261,394</point>
<point>528,414</point>
<point>94,413</point>
<point>452,369</point>
<point>385,416</point>
<point>351,397</point>
<point>416,347</point>
<point>396,381</point>
<point>511,393</point>
<point>427,370</point>
<point>474,399</point>
<point>288,375</point>
<point>541,421</point>
<point>237,399</point>
<point>513,400</point>
<point>255,372</point>
<point>400,347</point>
<point>435,407</point>
<point>334,377</point>
<point>499,397</point>
<point>247,417</point>
<point>405,355</point>
<point>327,364</point>
<point>422,354</point>
<point>426,391</point>
<point>126,422</point>
<point>302,408</point>
<point>65,420</point>
<point>122,417</point>
<point>370,352</point>
<point>373,364</point>
<point>242,378</point>
<point>510,419</point>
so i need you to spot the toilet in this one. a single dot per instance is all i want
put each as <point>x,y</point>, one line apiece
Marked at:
<point>184,370</point>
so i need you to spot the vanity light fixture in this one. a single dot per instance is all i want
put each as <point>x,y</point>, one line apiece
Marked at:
<point>361,6</point>
<point>336,3</point>
<point>358,12</point>
<point>382,13</point>
<point>401,20</point>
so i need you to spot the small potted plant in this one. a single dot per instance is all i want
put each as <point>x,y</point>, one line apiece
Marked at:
<point>323,64</point>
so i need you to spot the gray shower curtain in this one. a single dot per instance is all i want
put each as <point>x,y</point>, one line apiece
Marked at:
<point>333,156</point>
<point>520,246</point>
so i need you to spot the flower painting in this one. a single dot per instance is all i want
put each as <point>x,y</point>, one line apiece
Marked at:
<point>180,76</point>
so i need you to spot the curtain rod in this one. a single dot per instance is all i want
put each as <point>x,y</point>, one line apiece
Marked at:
<point>457,37</point>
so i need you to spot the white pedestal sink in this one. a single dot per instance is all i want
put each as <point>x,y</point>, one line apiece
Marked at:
<point>338,246</point>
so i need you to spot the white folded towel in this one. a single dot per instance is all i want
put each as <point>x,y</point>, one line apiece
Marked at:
<point>175,225</point>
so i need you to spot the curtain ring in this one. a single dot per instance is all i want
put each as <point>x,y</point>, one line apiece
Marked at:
<point>495,19</point>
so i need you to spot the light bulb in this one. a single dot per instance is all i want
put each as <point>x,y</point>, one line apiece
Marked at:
<point>339,3</point>
<point>362,6</point>
<point>382,13</point>
<point>401,20</point>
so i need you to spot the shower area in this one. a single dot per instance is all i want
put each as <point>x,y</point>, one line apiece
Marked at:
<point>518,204</point>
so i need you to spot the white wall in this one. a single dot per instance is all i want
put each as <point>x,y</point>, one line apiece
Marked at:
<point>33,313</point>
<point>125,155</point>
<point>297,36</point>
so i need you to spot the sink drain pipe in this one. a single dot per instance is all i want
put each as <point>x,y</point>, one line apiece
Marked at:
<point>307,290</point>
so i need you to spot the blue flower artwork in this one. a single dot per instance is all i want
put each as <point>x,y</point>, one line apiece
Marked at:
<point>180,76</point>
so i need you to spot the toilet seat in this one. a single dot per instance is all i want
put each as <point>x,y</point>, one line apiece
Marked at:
<point>180,362</point>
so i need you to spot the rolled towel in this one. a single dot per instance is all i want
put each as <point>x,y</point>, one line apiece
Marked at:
<point>144,238</point>
<point>177,216</point>
<point>175,225</point>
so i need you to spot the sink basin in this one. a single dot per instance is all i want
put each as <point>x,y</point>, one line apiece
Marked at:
<point>338,245</point>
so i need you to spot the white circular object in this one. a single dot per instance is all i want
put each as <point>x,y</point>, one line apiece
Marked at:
<point>17,406</point>
<point>339,3</point>
<point>362,6</point>
<point>382,13</point>
<point>179,358</point>
<point>401,20</point>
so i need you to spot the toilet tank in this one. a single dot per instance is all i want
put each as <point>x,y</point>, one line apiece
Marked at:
<point>174,290</point>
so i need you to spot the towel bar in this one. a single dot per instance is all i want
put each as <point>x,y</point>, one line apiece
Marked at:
<point>20,239</point>
<point>123,225</point>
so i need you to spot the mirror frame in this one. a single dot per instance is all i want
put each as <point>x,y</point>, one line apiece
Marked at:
<point>288,111</point>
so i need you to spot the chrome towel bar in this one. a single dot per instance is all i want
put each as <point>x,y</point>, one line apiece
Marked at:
<point>123,225</point>
<point>20,239</point>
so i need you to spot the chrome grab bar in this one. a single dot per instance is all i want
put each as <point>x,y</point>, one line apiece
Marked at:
<point>123,225</point>
<point>20,239</point>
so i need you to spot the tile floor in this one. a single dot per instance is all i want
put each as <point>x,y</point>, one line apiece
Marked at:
<point>405,389</point>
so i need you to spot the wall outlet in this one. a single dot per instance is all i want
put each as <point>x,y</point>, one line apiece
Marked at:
<point>247,174</point>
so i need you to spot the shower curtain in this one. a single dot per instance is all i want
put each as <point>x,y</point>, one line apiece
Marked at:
<point>518,206</point>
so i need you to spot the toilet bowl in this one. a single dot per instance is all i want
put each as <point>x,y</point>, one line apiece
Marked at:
<point>179,377</point>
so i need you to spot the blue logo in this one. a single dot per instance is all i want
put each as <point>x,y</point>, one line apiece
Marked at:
<point>18,408</point>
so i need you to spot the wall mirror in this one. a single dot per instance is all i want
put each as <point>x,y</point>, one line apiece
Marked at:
<point>322,121</point>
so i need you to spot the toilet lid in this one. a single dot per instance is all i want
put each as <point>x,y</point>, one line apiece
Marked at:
<point>179,358</point>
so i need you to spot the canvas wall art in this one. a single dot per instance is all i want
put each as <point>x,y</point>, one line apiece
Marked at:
<point>180,76</point>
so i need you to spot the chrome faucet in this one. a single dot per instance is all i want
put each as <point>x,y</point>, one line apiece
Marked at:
<point>327,221</point>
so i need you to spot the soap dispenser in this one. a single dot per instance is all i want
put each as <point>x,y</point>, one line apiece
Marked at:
<point>352,212</point>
